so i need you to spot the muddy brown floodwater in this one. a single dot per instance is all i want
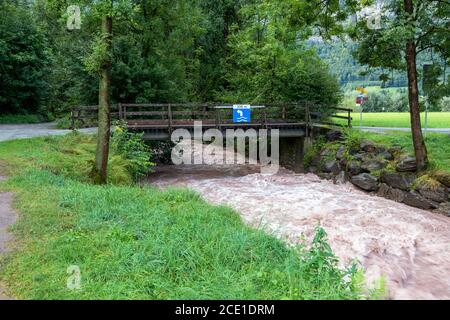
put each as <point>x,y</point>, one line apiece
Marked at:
<point>408,246</point>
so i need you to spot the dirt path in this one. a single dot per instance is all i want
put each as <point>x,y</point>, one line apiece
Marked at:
<point>7,218</point>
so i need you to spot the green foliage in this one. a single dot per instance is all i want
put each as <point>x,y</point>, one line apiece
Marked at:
<point>132,148</point>
<point>387,101</point>
<point>24,58</point>
<point>98,56</point>
<point>268,63</point>
<point>312,152</point>
<point>23,118</point>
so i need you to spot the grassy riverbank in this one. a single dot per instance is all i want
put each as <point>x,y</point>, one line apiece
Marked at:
<point>398,119</point>
<point>438,145</point>
<point>134,242</point>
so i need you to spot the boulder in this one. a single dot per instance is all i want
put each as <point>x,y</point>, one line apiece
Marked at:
<point>408,164</point>
<point>443,178</point>
<point>354,168</point>
<point>331,166</point>
<point>365,181</point>
<point>341,178</point>
<point>334,135</point>
<point>340,152</point>
<point>414,199</point>
<point>395,150</point>
<point>437,194</point>
<point>343,162</point>
<point>312,169</point>
<point>397,180</point>
<point>368,146</point>
<point>390,193</point>
<point>372,165</point>
<point>326,152</point>
<point>358,157</point>
<point>444,208</point>
<point>325,175</point>
<point>386,155</point>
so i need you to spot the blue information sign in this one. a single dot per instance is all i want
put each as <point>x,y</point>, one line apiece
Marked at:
<point>241,113</point>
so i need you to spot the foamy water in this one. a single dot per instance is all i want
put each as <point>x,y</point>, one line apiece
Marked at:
<point>409,247</point>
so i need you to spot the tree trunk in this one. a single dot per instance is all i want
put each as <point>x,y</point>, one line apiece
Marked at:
<point>104,119</point>
<point>420,149</point>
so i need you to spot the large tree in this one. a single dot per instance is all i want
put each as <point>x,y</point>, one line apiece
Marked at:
<point>407,28</point>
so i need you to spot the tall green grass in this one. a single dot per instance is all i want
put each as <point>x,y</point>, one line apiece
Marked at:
<point>397,119</point>
<point>133,242</point>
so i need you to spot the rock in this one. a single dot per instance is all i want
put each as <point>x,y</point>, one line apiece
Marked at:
<point>326,152</point>
<point>444,208</point>
<point>395,150</point>
<point>334,135</point>
<point>315,161</point>
<point>365,181</point>
<point>414,199</point>
<point>386,155</point>
<point>312,170</point>
<point>438,194</point>
<point>331,166</point>
<point>372,165</point>
<point>443,178</point>
<point>354,168</point>
<point>340,152</point>
<point>397,180</point>
<point>408,164</point>
<point>325,175</point>
<point>341,178</point>
<point>368,146</point>
<point>343,162</point>
<point>358,157</point>
<point>390,193</point>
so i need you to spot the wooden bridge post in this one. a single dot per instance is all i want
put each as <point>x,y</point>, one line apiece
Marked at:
<point>169,117</point>
<point>119,106</point>
<point>307,120</point>
<point>349,118</point>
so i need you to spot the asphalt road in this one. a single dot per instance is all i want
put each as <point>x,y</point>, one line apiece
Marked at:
<point>22,131</point>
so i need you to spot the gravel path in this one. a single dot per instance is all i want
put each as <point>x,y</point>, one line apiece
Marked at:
<point>7,217</point>
<point>22,131</point>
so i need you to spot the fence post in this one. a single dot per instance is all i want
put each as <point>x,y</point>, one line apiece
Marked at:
<point>349,118</point>
<point>307,120</point>
<point>119,106</point>
<point>169,117</point>
<point>72,121</point>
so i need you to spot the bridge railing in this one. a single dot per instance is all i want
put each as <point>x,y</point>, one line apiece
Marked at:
<point>174,115</point>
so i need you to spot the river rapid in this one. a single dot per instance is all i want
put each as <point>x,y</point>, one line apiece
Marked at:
<point>408,246</point>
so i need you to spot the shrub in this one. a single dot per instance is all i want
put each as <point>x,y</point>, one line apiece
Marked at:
<point>131,146</point>
<point>444,104</point>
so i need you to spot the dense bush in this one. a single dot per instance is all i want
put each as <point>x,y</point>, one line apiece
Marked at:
<point>387,101</point>
<point>131,146</point>
<point>444,104</point>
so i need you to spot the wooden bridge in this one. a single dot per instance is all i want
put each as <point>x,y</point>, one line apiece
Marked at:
<point>158,120</point>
